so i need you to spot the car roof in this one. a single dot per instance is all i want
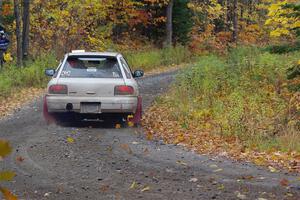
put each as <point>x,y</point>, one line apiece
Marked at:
<point>110,54</point>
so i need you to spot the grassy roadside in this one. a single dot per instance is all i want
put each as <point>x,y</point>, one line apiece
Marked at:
<point>239,106</point>
<point>159,58</point>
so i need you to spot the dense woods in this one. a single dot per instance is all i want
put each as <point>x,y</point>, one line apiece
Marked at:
<point>210,25</point>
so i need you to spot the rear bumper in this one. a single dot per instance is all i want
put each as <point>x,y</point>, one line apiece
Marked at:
<point>58,104</point>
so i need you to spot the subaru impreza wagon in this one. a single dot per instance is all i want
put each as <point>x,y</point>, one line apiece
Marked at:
<point>94,85</point>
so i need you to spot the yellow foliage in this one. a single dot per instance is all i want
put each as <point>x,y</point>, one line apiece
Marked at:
<point>70,140</point>
<point>63,25</point>
<point>7,194</point>
<point>7,176</point>
<point>280,19</point>
<point>7,57</point>
<point>5,148</point>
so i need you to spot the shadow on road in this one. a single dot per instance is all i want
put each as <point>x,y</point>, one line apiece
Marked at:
<point>75,122</point>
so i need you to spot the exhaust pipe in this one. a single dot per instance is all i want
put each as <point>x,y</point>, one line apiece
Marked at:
<point>69,107</point>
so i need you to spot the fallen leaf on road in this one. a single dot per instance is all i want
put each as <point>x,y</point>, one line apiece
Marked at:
<point>19,159</point>
<point>221,187</point>
<point>284,182</point>
<point>145,189</point>
<point>259,161</point>
<point>70,140</point>
<point>194,180</point>
<point>170,170</point>
<point>5,148</point>
<point>240,196</point>
<point>149,136</point>
<point>7,194</point>
<point>126,148</point>
<point>146,151</point>
<point>248,177</point>
<point>47,194</point>
<point>272,169</point>
<point>289,194</point>
<point>218,170</point>
<point>133,185</point>
<point>213,166</point>
<point>181,163</point>
<point>109,149</point>
<point>7,176</point>
<point>104,188</point>
<point>179,139</point>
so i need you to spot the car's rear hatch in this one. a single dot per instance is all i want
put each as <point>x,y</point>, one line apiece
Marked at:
<point>91,87</point>
<point>91,76</point>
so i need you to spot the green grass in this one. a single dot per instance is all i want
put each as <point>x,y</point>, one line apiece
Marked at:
<point>245,94</point>
<point>156,58</point>
<point>13,78</point>
<point>283,48</point>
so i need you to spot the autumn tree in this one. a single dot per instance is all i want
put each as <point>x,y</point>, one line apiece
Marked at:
<point>284,18</point>
<point>169,23</point>
<point>6,14</point>
<point>235,21</point>
<point>63,25</point>
<point>26,24</point>
<point>182,22</point>
<point>18,32</point>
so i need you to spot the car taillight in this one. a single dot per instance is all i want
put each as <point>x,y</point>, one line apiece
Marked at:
<point>124,90</point>
<point>58,89</point>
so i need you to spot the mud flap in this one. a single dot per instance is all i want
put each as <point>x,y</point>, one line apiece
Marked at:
<point>137,118</point>
<point>47,116</point>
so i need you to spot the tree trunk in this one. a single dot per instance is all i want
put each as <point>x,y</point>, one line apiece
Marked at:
<point>1,3</point>
<point>235,21</point>
<point>26,23</point>
<point>228,15</point>
<point>169,24</point>
<point>18,33</point>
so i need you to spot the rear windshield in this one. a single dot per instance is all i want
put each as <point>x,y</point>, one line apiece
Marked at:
<point>91,67</point>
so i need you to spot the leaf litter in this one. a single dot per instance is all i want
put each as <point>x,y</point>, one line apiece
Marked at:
<point>158,123</point>
<point>18,99</point>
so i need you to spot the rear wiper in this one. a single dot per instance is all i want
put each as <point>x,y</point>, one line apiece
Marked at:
<point>91,76</point>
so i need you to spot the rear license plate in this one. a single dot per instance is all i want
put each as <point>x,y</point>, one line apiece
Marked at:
<point>90,107</point>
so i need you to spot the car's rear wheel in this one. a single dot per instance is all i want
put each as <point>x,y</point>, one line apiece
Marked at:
<point>49,118</point>
<point>137,117</point>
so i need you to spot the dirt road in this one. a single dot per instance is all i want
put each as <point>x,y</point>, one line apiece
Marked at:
<point>108,163</point>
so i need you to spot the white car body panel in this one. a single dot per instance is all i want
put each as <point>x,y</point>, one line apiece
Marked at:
<point>100,90</point>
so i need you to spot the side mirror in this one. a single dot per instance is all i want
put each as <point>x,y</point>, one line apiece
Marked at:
<point>49,72</point>
<point>138,74</point>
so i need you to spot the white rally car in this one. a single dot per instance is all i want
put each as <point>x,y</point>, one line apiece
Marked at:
<point>93,85</point>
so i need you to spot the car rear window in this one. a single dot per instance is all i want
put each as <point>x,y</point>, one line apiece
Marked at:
<point>91,67</point>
